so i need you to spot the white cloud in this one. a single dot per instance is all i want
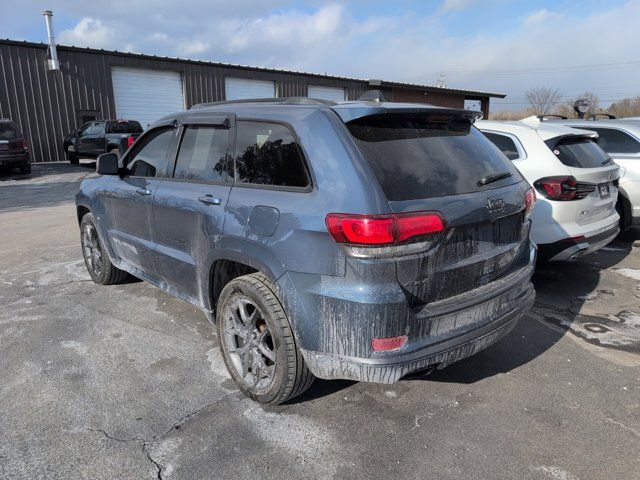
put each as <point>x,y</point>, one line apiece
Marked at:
<point>290,28</point>
<point>89,32</point>
<point>541,16</point>
<point>195,47</point>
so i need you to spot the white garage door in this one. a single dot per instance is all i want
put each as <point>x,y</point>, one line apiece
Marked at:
<point>335,94</point>
<point>244,88</point>
<point>146,95</point>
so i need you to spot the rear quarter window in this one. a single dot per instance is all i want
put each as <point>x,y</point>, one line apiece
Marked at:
<point>268,154</point>
<point>505,144</point>
<point>579,152</point>
<point>425,155</point>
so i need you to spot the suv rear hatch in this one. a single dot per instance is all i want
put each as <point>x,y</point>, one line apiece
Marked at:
<point>434,160</point>
<point>595,175</point>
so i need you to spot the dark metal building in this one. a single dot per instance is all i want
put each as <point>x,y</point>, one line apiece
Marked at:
<point>93,84</point>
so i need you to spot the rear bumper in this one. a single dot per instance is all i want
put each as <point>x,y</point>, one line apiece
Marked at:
<point>574,248</point>
<point>10,160</point>
<point>440,334</point>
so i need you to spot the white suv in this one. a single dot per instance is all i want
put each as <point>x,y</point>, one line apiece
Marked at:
<point>621,140</point>
<point>576,183</point>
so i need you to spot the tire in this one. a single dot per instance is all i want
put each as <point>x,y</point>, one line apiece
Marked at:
<point>95,256</point>
<point>282,375</point>
<point>115,151</point>
<point>623,206</point>
<point>25,168</point>
<point>73,158</point>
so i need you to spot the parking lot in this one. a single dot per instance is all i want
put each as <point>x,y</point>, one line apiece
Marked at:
<point>127,382</point>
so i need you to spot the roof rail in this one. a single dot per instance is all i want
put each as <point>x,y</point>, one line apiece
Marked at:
<point>595,115</point>
<point>543,117</point>
<point>278,101</point>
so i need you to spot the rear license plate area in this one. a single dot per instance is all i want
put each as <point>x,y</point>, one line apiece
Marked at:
<point>604,190</point>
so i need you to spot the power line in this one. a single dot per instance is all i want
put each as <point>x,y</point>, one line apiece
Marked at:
<point>544,70</point>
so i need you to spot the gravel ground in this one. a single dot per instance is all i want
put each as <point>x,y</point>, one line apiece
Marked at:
<point>128,382</point>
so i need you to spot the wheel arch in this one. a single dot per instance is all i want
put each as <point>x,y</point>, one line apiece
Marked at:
<point>234,258</point>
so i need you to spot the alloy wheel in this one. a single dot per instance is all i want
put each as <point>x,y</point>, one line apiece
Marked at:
<point>249,342</point>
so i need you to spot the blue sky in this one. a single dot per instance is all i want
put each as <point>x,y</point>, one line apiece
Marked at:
<point>493,45</point>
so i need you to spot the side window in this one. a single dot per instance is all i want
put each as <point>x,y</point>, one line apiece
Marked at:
<point>149,159</point>
<point>616,141</point>
<point>84,128</point>
<point>505,144</point>
<point>96,129</point>
<point>267,154</point>
<point>203,154</point>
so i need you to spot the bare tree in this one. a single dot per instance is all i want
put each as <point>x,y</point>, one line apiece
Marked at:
<point>542,99</point>
<point>627,107</point>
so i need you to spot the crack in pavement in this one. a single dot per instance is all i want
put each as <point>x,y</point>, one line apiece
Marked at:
<point>154,439</point>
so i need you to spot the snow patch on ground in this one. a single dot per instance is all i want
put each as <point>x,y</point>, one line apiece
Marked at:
<point>294,433</point>
<point>78,347</point>
<point>628,272</point>
<point>218,367</point>
<point>555,473</point>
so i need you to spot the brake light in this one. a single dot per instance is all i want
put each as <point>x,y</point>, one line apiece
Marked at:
<point>25,145</point>
<point>529,201</point>
<point>388,344</point>
<point>130,141</point>
<point>563,188</point>
<point>382,229</point>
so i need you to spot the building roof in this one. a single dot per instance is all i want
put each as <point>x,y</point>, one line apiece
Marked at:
<point>378,83</point>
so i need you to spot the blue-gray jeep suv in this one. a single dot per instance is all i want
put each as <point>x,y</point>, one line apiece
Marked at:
<point>357,240</point>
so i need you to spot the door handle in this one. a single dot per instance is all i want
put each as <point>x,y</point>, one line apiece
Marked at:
<point>209,200</point>
<point>143,191</point>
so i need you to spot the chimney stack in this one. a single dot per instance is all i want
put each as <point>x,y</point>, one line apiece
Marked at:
<point>53,62</point>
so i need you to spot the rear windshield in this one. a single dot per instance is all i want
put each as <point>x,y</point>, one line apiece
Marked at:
<point>579,152</point>
<point>8,130</point>
<point>420,155</point>
<point>124,127</point>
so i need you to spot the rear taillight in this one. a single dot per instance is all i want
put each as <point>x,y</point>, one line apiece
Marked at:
<point>529,201</point>
<point>25,145</point>
<point>563,188</point>
<point>130,141</point>
<point>391,229</point>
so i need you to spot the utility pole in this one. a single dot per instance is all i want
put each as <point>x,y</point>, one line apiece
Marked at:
<point>442,80</point>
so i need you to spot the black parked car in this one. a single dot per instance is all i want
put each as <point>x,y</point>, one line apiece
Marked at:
<point>14,149</point>
<point>101,136</point>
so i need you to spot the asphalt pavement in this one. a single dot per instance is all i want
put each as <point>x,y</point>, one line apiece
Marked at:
<point>126,382</point>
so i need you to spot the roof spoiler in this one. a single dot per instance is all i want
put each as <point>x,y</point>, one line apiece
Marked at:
<point>372,96</point>
<point>350,112</point>
<point>542,118</point>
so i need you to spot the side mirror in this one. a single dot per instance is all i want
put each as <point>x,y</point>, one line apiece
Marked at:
<point>107,164</point>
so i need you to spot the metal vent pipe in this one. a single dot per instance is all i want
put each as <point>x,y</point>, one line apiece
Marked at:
<point>54,64</point>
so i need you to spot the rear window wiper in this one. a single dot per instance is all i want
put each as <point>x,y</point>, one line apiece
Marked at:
<point>493,178</point>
